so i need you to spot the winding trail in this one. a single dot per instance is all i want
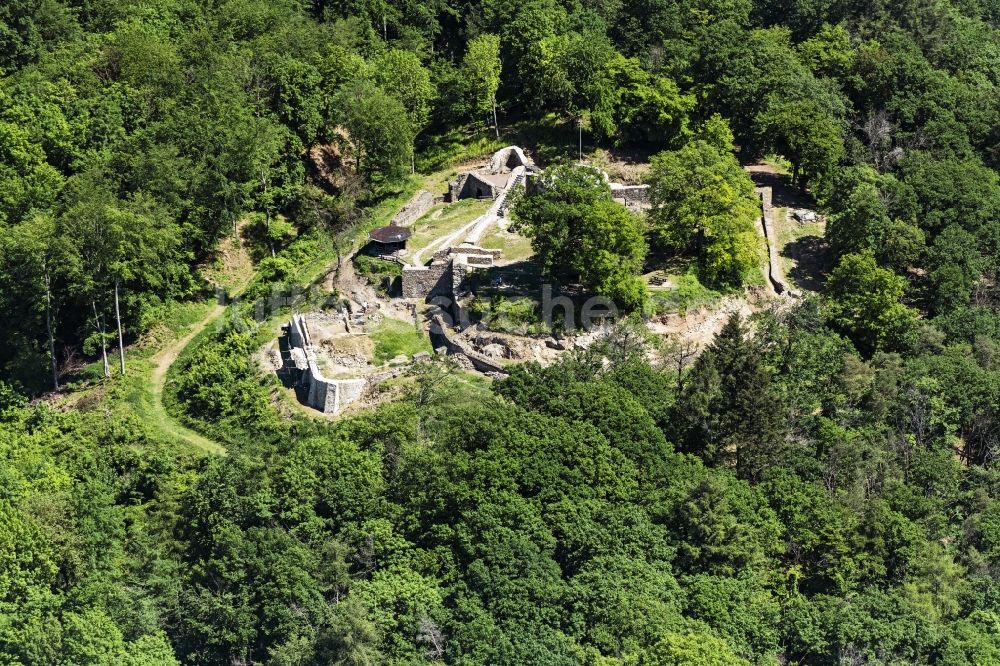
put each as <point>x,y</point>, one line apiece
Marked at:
<point>164,358</point>
<point>161,364</point>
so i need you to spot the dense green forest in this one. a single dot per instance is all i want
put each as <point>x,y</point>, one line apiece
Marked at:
<point>820,487</point>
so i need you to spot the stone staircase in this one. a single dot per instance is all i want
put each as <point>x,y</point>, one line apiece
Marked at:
<point>504,196</point>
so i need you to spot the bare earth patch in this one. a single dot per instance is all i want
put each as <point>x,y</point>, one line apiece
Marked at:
<point>231,268</point>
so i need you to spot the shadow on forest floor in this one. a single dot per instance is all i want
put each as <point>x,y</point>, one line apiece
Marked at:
<point>811,258</point>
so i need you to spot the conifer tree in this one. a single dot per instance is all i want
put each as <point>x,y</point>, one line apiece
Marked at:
<point>730,412</point>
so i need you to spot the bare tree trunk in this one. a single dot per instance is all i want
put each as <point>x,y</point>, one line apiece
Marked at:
<point>121,340</point>
<point>267,211</point>
<point>98,322</point>
<point>496,125</point>
<point>270,242</point>
<point>48,329</point>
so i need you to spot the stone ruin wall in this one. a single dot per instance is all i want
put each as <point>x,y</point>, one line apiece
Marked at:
<point>508,159</point>
<point>461,187</point>
<point>455,187</point>
<point>487,254</point>
<point>633,196</point>
<point>329,396</point>
<point>415,208</point>
<point>505,160</point>
<point>774,273</point>
<point>447,271</point>
<point>426,281</point>
<point>481,362</point>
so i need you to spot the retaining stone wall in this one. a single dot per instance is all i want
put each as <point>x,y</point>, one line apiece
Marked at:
<point>298,334</point>
<point>421,202</point>
<point>446,271</point>
<point>427,281</point>
<point>329,396</point>
<point>774,273</point>
<point>633,195</point>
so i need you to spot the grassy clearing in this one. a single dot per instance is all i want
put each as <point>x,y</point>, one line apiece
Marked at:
<point>173,320</point>
<point>515,247</point>
<point>458,388</point>
<point>386,208</point>
<point>684,293</point>
<point>143,387</point>
<point>232,267</point>
<point>146,405</point>
<point>445,219</point>
<point>789,231</point>
<point>780,164</point>
<point>520,314</point>
<point>516,314</point>
<point>170,321</point>
<point>459,145</point>
<point>393,338</point>
<point>629,167</point>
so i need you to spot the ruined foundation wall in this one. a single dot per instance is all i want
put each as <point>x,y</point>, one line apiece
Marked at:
<point>456,186</point>
<point>633,195</point>
<point>454,345</point>
<point>329,396</point>
<point>774,272</point>
<point>426,281</point>
<point>415,208</point>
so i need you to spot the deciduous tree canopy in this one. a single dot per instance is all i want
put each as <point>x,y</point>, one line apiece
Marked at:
<point>817,484</point>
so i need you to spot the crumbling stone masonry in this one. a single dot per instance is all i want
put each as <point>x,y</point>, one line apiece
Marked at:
<point>631,196</point>
<point>508,159</point>
<point>473,185</point>
<point>440,337</point>
<point>415,208</point>
<point>774,273</point>
<point>494,179</point>
<point>427,281</point>
<point>447,271</point>
<point>329,396</point>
